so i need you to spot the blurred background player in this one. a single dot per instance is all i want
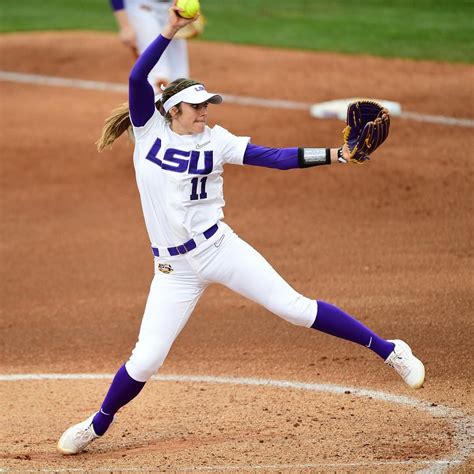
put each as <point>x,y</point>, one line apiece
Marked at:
<point>140,22</point>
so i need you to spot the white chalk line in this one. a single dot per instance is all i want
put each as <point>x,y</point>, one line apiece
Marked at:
<point>239,468</point>
<point>463,424</point>
<point>37,79</point>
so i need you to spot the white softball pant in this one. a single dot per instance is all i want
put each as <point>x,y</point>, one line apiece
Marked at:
<point>224,259</point>
<point>148,20</point>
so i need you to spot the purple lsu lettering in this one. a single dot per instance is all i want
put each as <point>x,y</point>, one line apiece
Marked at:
<point>180,161</point>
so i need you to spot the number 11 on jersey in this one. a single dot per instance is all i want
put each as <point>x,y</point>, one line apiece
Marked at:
<point>202,191</point>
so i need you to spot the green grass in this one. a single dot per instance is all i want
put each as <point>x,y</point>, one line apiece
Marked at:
<point>420,29</point>
<point>37,15</point>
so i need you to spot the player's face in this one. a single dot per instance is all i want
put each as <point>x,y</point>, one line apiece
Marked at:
<point>192,119</point>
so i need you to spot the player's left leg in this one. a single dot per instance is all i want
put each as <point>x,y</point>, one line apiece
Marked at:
<point>397,354</point>
<point>332,320</point>
<point>241,268</point>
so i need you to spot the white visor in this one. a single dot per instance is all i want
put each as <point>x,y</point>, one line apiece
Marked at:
<point>196,94</point>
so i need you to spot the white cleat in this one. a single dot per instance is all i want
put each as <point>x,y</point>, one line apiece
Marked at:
<point>410,369</point>
<point>76,438</point>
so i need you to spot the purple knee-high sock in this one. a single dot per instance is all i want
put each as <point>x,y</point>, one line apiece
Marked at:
<point>332,320</point>
<point>122,390</point>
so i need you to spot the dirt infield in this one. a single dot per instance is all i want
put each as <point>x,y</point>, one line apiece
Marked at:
<point>390,242</point>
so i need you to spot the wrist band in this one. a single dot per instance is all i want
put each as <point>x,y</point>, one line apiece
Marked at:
<point>340,156</point>
<point>313,157</point>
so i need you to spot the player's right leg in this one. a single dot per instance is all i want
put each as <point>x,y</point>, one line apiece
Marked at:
<point>170,303</point>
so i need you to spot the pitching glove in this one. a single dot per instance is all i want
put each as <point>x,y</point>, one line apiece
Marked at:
<point>367,127</point>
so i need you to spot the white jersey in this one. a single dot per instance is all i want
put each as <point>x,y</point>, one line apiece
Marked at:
<point>136,3</point>
<point>179,178</point>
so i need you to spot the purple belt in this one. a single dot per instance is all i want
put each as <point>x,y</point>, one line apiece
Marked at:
<point>187,246</point>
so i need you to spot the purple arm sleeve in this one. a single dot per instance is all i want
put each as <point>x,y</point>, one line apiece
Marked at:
<point>117,5</point>
<point>141,97</point>
<point>278,158</point>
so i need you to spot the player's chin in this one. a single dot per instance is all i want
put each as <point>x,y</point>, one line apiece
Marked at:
<point>199,126</point>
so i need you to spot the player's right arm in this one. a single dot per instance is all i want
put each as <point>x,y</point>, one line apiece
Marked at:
<point>141,97</point>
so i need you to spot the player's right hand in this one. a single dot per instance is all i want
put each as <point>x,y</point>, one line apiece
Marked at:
<point>176,21</point>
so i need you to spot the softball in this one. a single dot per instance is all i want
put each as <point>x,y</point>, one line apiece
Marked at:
<point>190,8</point>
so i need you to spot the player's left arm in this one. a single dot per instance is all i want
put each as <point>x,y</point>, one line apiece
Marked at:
<point>290,158</point>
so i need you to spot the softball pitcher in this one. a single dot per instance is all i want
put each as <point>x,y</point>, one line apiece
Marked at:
<point>178,163</point>
<point>140,22</point>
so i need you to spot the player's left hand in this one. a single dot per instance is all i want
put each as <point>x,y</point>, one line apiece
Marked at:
<point>367,127</point>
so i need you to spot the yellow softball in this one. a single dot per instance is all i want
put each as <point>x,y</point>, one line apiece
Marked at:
<point>190,8</point>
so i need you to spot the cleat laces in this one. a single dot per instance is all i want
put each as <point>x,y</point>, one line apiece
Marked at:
<point>84,437</point>
<point>398,364</point>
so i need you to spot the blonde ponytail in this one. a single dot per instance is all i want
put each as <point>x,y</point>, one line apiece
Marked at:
<point>119,121</point>
<point>114,126</point>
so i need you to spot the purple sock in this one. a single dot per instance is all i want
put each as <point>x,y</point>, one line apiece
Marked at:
<point>332,320</point>
<point>122,390</point>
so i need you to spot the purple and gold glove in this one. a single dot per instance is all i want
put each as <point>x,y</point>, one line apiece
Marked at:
<point>367,127</point>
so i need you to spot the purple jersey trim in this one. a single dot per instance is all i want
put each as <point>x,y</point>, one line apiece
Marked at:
<point>278,158</point>
<point>117,4</point>
<point>141,97</point>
